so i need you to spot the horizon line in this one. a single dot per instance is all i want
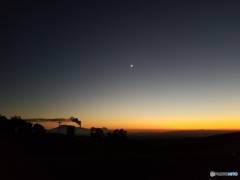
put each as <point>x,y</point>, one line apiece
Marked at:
<point>156,130</point>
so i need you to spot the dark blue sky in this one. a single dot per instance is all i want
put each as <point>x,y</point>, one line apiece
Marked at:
<point>64,58</point>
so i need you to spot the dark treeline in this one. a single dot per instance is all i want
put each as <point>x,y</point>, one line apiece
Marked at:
<point>117,135</point>
<point>17,126</point>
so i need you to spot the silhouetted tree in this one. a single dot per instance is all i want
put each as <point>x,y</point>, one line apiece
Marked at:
<point>118,134</point>
<point>5,127</point>
<point>3,117</point>
<point>38,129</point>
<point>20,126</point>
<point>70,131</point>
<point>96,133</point>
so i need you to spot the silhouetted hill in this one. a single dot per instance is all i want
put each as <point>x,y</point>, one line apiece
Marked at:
<point>178,134</point>
<point>79,130</point>
<point>228,137</point>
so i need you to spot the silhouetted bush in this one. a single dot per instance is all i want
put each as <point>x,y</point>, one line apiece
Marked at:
<point>38,129</point>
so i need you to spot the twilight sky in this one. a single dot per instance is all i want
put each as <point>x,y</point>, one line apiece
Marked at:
<point>72,58</point>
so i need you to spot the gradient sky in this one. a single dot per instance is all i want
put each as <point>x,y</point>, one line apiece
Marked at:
<point>72,58</point>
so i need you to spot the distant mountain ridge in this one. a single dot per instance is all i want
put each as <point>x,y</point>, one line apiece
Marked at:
<point>148,134</point>
<point>227,137</point>
<point>179,134</point>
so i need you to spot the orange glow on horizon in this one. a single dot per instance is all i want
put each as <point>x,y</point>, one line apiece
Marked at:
<point>187,123</point>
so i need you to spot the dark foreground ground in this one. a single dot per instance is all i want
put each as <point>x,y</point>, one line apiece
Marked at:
<point>55,156</point>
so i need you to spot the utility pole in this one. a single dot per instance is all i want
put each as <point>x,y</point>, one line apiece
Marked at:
<point>59,126</point>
